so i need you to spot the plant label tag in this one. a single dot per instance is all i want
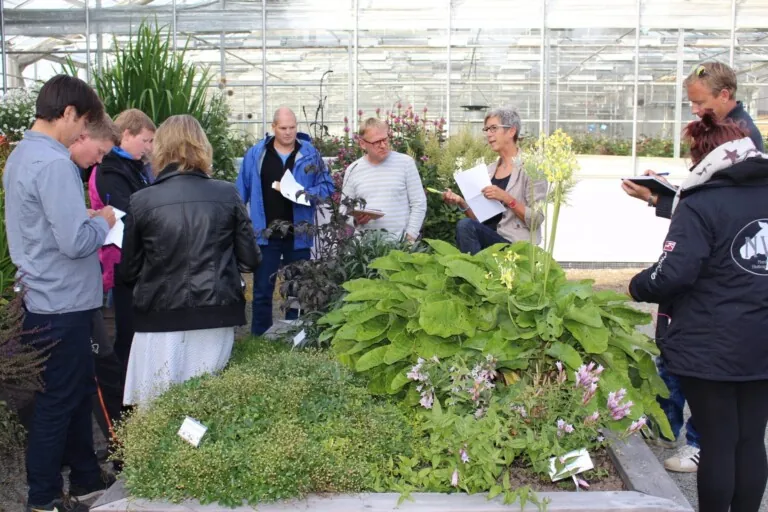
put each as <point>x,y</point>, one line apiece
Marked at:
<point>299,338</point>
<point>570,464</point>
<point>192,431</point>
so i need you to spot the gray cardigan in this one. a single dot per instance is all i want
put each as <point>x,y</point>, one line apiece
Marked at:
<point>523,190</point>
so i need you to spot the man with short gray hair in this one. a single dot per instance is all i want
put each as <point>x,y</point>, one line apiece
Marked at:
<point>387,181</point>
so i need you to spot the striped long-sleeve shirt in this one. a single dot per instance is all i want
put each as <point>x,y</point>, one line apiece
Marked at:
<point>394,187</point>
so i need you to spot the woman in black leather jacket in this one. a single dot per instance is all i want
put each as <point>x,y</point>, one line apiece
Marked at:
<point>187,238</point>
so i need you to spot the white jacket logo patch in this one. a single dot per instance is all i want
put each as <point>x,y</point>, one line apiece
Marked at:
<point>749,248</point>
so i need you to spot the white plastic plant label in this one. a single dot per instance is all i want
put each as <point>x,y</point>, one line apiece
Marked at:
<point>299,338</point>
<point>570,464</point>
<point>192,431</point>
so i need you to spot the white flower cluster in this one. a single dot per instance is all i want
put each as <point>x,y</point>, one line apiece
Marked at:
<point>17,113</point>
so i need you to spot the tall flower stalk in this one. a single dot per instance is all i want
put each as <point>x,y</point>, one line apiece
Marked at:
<point>552,158</point>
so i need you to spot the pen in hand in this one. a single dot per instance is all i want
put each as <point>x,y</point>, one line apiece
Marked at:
<point>107,200</point>
<point>657,174</point>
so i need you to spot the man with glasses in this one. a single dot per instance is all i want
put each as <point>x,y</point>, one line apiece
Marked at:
<point>387,181</point>
<point>711,86</point>
<point>509,185</point>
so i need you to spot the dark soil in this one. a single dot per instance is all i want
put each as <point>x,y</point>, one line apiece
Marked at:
<point>603,478</point>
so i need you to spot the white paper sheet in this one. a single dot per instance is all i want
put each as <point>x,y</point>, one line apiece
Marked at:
<point>192,431</point>
<point>115,235</point>
<point>471,183</point>
<point>579,462</point>
<point>289,187</point>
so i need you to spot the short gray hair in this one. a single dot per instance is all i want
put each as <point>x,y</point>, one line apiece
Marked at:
<point>508,117</point>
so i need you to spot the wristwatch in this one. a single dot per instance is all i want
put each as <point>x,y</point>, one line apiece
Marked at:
<point>652,200</point>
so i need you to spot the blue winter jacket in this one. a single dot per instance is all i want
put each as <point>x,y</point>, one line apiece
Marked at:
<point>309,171</point>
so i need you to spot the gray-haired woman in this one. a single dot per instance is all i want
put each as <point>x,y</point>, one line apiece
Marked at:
<point>509,185</point>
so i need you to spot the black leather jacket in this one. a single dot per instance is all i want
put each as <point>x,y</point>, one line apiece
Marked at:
<point>186,240</point>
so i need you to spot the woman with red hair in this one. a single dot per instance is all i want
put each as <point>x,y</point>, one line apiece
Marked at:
<point>711,283</point>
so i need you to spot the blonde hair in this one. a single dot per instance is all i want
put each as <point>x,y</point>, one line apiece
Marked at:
<point>181,140</point>
<point>103,129</point>
<point>134,120</point>
<point>716,76</point>
<point>372,122</point>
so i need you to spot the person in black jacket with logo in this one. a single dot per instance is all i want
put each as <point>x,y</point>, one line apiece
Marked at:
<point>187,238</point>
<point>712,278</point>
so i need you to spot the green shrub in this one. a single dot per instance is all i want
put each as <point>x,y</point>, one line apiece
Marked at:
<point>11,455</point>
<point>280,425</point>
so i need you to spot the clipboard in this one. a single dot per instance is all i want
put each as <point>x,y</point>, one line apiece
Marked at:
<point>375,214</point>
<point>654,184</point>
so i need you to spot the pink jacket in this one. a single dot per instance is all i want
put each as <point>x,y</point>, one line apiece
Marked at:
<point>109,255</point>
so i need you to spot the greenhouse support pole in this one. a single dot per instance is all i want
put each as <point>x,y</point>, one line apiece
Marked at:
<point>733,33</point>
<point>541,64</point>
<point>173,23</point>
<point>636,91</point>
<point>263,68</point>
<point>99,42</point>
<point>2,46</point>
<point>448,72</point>
<point>679,91</point>
<point>87,42</point>
<point>356,77</point>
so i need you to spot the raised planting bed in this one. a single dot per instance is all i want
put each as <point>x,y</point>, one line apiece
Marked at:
<point>649,489</point>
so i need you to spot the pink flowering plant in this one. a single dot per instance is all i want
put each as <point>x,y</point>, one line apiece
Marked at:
<point>483,423</point>
<point>494,362</point>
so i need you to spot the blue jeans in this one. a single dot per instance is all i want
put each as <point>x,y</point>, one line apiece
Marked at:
<point>674,405</point>
<point>264,281</point>
<point>60,429</point>
<point>473,236</point>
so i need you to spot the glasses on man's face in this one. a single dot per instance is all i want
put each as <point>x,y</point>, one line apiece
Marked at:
<point>380,142</point>
<point>494,128</point>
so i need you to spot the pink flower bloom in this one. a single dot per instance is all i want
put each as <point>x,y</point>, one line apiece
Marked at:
<point>427,399</point>
<point>455,478</point>
<point>563,428</point>
<point>559,366</point>
<point>346,129</point>
<point>592,418</point>
<point>378,111</point>
<point>416,119</point>
<point>464,456</point>
<point>582,483</point>
<point>637,425</point>
<point>425,110</point>
<point>346,120</point>
<point>360,112</point>
<point>399,105</point>
<point>425,158</point>
<point>521,410</point>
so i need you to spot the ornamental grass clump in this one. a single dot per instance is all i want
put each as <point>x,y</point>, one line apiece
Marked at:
<point>280,424</point>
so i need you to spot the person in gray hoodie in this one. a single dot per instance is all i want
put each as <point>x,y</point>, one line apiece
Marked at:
<point>53,241</point>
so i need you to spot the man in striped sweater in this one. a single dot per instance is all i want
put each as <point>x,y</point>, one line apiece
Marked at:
<point>387,181</point>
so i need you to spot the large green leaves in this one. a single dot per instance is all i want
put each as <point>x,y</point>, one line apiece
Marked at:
<point>447,304</point>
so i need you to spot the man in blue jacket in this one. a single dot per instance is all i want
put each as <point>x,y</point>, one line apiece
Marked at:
<point>263,165</point>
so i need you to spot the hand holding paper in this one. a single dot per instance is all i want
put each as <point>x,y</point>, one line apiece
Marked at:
<point>472,182</point>
<point>115,235</point>
<point>290,189</point>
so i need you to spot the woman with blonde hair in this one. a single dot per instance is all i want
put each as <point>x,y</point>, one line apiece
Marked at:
<point>187,238</point>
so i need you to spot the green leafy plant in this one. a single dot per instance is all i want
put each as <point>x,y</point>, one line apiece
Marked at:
<point>280,425</point>
<point>149,75</point>
<point>12,438</point>
<point>449,304</point>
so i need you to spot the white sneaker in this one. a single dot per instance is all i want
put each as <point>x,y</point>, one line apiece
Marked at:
<point>685,460</point>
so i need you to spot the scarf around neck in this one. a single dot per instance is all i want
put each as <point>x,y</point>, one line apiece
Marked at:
<point>720,158</point>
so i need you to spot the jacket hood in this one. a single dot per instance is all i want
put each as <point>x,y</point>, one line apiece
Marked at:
<point>725,160</point>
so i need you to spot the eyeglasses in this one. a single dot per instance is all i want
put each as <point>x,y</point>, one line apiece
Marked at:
<point>494,128</point>
<point>380,142</point>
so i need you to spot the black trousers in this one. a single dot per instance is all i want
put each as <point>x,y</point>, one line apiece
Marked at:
<point>60,427</point>
<point>731,418</point>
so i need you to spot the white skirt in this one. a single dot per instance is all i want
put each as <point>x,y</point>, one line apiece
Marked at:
<point>161,359</point>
